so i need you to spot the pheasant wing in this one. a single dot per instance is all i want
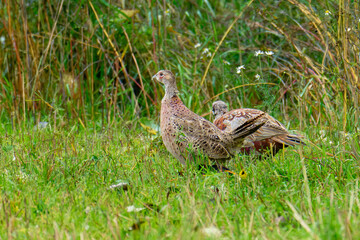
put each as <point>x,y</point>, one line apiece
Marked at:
<point>201,135</point>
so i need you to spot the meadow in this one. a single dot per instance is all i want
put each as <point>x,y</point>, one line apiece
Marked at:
<point>81,155</point>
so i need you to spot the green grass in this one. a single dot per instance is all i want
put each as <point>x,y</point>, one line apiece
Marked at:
<point>56,184</point>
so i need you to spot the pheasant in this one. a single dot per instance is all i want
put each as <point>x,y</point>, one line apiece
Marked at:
<point>185,133</point>
<point>270,138</point>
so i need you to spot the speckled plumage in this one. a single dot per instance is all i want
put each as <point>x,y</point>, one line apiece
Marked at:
<point>185,133</point>
<point>272,135</point>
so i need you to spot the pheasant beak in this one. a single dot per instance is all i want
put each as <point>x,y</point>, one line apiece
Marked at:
<point>155,76</point>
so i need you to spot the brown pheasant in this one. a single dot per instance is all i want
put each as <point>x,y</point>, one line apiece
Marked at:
<point>270,138</point>
<point>185,133</point>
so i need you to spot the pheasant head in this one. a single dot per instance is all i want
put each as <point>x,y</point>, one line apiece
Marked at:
<point>219,108</point>
<point>167,78</point>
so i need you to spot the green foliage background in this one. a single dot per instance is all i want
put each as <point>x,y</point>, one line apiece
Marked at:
<point>85,67</point>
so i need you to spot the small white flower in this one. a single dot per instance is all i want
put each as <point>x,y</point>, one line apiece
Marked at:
<point>2,40</point>
<point>269,53</point>
<point>207,52</point>
<point>259,52</point>
<point>14,157</point>
<point>257,76</point>
<point>167,12</point>
<point>327,13</point>
<point>132,208</point>
<point>226,62</point>
<point>347,29</point>
<point>239,68</point>
<point>197,45</point>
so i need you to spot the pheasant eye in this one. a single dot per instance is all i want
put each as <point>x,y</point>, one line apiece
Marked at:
<point>161,74</point>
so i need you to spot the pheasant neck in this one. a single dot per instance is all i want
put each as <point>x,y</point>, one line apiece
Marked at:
<point>170,91</point>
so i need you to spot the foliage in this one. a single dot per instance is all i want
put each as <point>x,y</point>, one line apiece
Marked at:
<point>85,67</point>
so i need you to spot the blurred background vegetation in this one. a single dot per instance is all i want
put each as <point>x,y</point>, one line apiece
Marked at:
<point>82,60</point>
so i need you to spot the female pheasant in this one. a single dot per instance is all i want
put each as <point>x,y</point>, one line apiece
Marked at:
<point>185,133</point>
<point>270,138</point>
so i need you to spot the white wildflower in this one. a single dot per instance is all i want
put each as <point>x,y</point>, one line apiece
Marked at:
<point>226,62</point>
<point>167,12</point>
<point>259,52</point>
<point>327,13</point>
<point>239,68</point>
<point>132,208</point>
<point>347,29</point>
<point>197,45</point>
<point>269,53</point>
<point>2,40</point>
<point>257,76</point>
<point>205,51</point>
<point>14,157</point>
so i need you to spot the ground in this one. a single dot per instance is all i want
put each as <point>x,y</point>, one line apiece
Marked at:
<point>57,183</point>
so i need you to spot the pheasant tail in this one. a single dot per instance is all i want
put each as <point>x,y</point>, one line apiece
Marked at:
<point>290,140</point>
<point>249,127</point>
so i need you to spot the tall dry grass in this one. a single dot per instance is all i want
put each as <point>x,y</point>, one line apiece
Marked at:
<point>82,61</point>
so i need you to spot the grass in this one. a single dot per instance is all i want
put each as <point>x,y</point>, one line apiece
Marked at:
<point>85,68</point>
<point>57,184</point>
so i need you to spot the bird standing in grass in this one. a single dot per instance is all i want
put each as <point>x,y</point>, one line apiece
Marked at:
<point>185,133</point>
<point>269,139</point>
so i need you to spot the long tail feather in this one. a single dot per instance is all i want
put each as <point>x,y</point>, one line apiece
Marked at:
<point>290,140</point>
<point>249,127</point>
